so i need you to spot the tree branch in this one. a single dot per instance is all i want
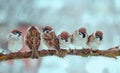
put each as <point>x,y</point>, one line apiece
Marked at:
<point>112,53</point>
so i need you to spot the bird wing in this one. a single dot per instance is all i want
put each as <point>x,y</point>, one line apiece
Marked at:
<point>90,37</point>
<point>51,40</point>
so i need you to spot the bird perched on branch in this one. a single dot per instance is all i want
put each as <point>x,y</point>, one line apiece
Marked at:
<point>95,40</point>
<point>15,41</point>
<point>64,40</point>
<point>79,38</point>
<point>50,39</point>
<point>33,40</point>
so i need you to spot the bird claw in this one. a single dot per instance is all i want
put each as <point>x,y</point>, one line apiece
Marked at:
<point>68,50</point>
<point>35,55</point>
<point>91,51</point>
<point>60,54</point>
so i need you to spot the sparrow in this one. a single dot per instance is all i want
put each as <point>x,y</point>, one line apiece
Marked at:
<point>64,40</point>
<point>15,41</point>
<point>95,40</point>
<point>79,38</point>
<point>33,40</point>
<point>50,39</point>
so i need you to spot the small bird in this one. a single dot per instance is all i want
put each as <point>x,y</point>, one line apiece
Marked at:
<point>64,40</point>
<point>79,38</point>
<point>15,41</point>
<point>50,39</point>
<point>94,41</point>
<point>33,40</point>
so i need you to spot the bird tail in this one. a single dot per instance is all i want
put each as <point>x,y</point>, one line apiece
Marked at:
<point>35,53</point>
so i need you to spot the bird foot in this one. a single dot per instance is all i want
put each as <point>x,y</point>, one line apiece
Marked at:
<point>60,54</point>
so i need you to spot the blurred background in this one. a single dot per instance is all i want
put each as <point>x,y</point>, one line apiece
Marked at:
<point>62,15</point>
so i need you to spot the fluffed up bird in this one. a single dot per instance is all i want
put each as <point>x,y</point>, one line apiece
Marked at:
<point>50,39</point>
<point>15,41</point>
<point>95,40</point>
<point>79,38</point>
<point>64,40</point>
<point>33,40</point>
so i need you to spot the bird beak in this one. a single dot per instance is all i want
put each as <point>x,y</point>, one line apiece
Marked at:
<point>10,35</point>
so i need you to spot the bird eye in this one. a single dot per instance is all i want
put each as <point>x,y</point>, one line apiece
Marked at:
<point>96,36</point>
<point>62,38</point>
<point>15,33</point>
<point>79,33</point>
<point>46,31</point>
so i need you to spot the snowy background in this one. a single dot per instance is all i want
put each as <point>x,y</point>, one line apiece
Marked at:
<point>62,15</point>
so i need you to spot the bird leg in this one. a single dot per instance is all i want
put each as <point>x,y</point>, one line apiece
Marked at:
<point>36,54</point>
<point>33,53</point>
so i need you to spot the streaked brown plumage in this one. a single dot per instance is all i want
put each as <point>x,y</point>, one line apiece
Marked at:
<point>33,40</point>
<point>50,39</point>
<point>91,37</point>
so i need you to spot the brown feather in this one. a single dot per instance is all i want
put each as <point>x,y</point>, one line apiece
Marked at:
<point>33,40</point>
<point>51,40</point>
<point>91,37</point>
<point>15,30</point>
<point>74,33</point>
